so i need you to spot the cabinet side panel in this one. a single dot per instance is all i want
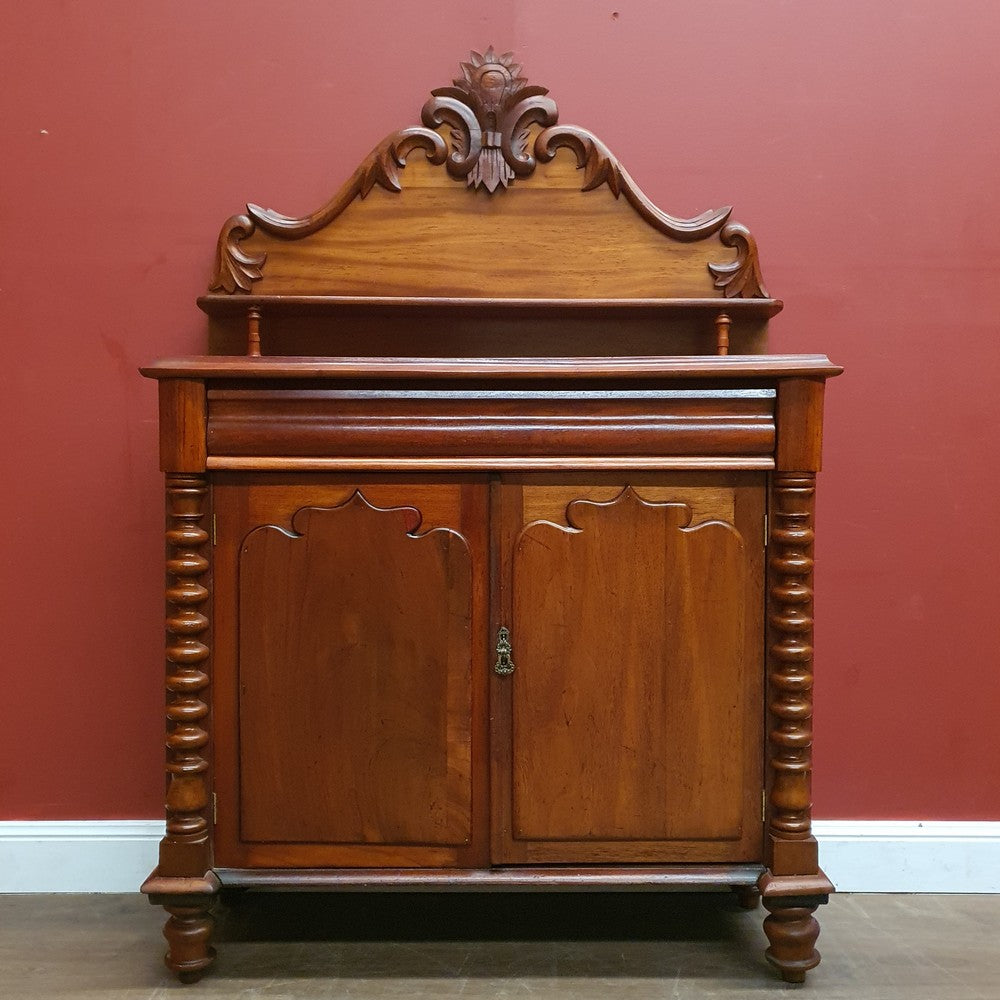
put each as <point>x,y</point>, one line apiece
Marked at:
<point>355,682</point>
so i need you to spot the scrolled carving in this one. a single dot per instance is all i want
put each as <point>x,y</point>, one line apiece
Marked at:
<point>598,163</point>
<point>235,269</point>
<point>601,166</point>
<point>790,680</point>
<point>186,678</point>
<point>741,278</point>
<point>490,108</point>
<point>466,136</point>
<point>381,167</point>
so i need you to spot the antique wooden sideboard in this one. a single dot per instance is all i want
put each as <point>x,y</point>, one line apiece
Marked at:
<point>490,533</point>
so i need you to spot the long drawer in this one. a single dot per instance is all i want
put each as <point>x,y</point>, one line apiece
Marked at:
<point>451,422</point>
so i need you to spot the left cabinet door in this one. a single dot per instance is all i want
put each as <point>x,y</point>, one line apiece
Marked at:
<point>350,691</point>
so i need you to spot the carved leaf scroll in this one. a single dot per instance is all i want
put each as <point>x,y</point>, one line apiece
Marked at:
<point>234,267</point>
<point>741,278</point>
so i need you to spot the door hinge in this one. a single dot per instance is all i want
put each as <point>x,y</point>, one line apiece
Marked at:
<point>214,533</point>
<point>215,808</point>
<point>763,805</point>
<point>765,530</point>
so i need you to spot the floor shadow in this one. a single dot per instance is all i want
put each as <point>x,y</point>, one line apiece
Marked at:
<point>486,935</point>
<point>478,916</point>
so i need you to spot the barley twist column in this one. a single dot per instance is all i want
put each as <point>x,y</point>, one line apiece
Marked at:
<point>790,679</point>
<point>791,928</point>
<point>185,850</point>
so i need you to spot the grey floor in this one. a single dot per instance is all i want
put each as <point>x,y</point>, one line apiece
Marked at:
<point>583,947</point>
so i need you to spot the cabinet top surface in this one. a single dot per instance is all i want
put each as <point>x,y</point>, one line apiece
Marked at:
<point>705,367</point>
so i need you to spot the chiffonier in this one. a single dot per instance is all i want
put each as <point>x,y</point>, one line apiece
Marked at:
<point>489,540</point>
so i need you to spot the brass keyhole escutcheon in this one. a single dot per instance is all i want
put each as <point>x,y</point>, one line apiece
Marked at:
<point>504,664</point>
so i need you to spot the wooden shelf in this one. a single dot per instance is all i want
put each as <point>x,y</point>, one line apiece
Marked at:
<point>237,305</point>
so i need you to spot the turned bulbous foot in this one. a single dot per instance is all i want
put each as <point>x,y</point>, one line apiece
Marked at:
<point>188,932</point>
<point>792,932</point>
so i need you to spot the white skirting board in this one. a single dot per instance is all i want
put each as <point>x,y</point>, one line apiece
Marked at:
<point>909,855</point>
<point>77,855</point>
<point>858,855</point>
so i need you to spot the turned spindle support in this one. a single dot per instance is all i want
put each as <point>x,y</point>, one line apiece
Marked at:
<point>722,325</point>
<point>253,332</point>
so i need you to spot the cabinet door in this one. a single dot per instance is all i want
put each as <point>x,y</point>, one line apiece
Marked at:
<point>350,693</point>
<point>631,726</point>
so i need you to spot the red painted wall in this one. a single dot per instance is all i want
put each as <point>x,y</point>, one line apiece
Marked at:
<point>858,140</point>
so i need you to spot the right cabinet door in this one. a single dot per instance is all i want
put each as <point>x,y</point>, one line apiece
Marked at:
<point>631,727</point>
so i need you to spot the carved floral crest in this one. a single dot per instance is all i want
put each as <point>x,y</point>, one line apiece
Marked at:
<point>490,110</point>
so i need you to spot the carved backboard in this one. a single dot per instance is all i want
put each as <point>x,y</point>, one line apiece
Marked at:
<point>490,197</point>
